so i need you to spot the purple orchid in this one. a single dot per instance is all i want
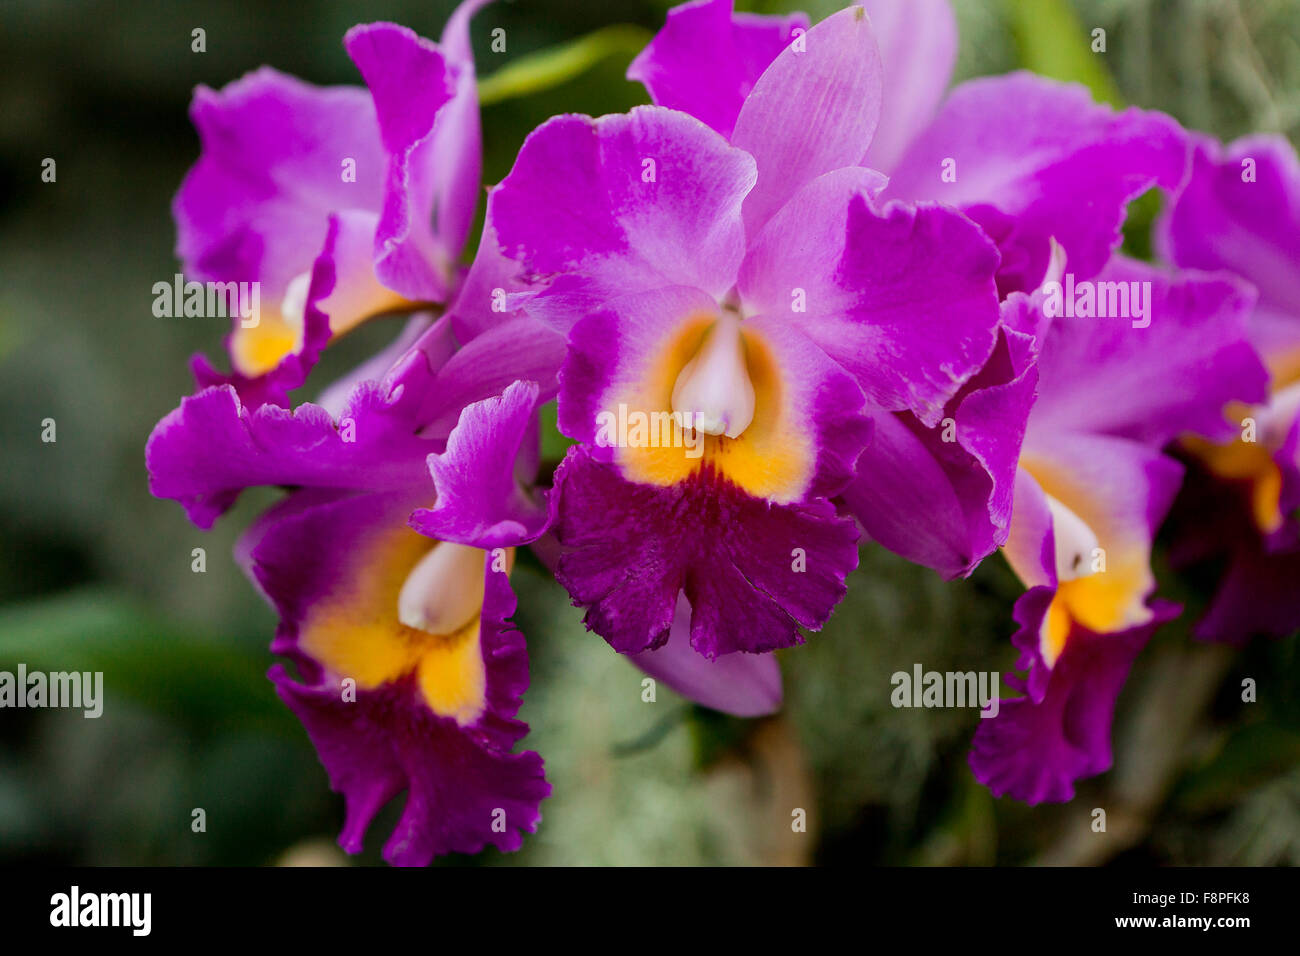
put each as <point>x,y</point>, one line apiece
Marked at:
<point>412,478</point>
<point>409,674</point>
<point>809,294</point>
<point>370,191</point>
<point>737,308</point>
<point>1091,489</point>
<point>1239,211</point>
<point>1010,152</point>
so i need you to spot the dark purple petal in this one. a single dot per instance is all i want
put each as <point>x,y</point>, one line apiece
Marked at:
<point>313,559</point>
<point>1035,752</point>
<point>383,743</point>
<point>1213,525</point>
<point>753,571</point>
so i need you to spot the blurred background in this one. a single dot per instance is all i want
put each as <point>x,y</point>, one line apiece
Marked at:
<point>97,575</point>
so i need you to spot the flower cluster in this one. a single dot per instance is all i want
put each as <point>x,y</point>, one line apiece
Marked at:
<point>808,298</point>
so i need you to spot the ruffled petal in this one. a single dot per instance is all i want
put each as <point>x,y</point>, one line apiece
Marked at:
<point>1015,152</point>
<point>432,715</point>
<point>627,202</point>
<point>753,571</point>
<point>904,298</point>
<point>204,453</point>
<point>1034,752</point>
<point>481,500</point>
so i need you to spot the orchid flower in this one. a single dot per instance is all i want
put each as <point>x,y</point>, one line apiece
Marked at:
<point>744,297</point>
<point>1239,211</point>
<point>371,190</point>
<point>1092,487</point>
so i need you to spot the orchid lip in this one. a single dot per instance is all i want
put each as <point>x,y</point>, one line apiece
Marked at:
<point>713,393</point>
<point>1056,262</point>
<point>444,591</point>
<point>1076,543</point>
<point>293,307</point>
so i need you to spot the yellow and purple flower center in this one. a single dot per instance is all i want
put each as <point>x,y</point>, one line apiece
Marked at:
<point>1248,460</point>
<point>410,611</point>
<point>1102,565</point>
<point>721,388</point>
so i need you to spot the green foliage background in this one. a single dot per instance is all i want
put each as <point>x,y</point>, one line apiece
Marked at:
<point>95,574</point>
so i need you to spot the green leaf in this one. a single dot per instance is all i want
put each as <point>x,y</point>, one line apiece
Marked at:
<point>554,443</point>
<point>545,69</point>
<point>198,682</point>
<point>1053,42</point>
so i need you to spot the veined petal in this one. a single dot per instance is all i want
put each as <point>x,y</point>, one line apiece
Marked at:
<point>707,58</point>
<point>918,46</point>
<point>753,571</point>
<point>812,111</point>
